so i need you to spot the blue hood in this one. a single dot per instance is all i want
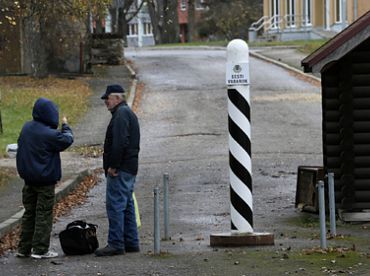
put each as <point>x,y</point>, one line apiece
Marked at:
<point>46,111</point>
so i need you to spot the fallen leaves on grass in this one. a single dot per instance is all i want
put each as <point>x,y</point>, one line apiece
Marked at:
<point>77,197</point>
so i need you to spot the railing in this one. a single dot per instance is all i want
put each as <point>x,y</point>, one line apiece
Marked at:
<point>266,23</point>
<point>278,22</point>
<point>256,26</point>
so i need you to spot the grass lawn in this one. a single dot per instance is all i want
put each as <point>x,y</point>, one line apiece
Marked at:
<point>18,94</point>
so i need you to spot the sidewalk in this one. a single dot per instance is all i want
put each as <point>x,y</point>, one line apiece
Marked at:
<point>288,58</point>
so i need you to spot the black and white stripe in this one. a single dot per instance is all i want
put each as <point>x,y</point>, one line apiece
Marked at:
<point>240,159</point>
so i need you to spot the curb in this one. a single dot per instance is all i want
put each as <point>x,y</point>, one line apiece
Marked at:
<point>66,187</point>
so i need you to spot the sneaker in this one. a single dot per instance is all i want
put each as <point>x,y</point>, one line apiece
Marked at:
<point>47,255</point>
<point>22,255</point>
<point>109,251</point>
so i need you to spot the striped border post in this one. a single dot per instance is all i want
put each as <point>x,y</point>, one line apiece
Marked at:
<point>240,162</point>
<point>237,80</point>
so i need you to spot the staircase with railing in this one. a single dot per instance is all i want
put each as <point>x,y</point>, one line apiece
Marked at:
<point>276,27</point>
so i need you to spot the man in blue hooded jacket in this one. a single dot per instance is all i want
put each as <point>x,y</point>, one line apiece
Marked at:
<point>38,163</point>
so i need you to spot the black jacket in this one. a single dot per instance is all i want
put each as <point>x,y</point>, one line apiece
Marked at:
<point>122,141</point>
<point>40,144</point>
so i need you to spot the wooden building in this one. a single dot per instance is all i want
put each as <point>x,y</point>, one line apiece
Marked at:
<point>344,64</point>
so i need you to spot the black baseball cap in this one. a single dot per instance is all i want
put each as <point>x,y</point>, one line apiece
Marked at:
<point>114,88</point>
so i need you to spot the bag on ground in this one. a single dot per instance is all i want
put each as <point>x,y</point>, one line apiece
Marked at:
<point>79,238</point>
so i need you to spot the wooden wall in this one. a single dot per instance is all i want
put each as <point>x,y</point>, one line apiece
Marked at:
<point>346,127</point>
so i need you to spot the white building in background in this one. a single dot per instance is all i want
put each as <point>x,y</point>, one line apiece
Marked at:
<point>140,30</point>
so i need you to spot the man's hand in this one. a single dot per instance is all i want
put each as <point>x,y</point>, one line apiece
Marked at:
<point>112,172</point>
<point>64,120</point>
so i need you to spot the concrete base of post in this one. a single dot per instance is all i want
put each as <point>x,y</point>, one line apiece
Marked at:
<point>245,239</point>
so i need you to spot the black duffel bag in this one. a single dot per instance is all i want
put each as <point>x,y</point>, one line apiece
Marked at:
<point>79,238</point>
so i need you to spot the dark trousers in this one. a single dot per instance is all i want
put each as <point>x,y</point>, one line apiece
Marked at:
<point>37,220</point>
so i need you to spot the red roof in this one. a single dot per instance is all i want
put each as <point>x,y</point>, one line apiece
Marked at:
<point>361,25</point>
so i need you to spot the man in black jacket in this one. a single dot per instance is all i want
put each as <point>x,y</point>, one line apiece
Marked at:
<point>120,162</point>
<point>39,164</point>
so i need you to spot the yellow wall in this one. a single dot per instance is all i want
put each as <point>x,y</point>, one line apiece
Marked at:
<point>363,6</point>
<point>318,10</point>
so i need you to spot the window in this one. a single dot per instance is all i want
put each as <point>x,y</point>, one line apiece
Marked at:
<point>275,13</point>
<point>338,11</point>
<point>148,29</point>
<point>132,29</point>
<point>307,13</point>
<point>290,13</point>
<point>183,5</point>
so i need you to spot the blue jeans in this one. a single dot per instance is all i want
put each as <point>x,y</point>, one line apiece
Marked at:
<point>121,211</point>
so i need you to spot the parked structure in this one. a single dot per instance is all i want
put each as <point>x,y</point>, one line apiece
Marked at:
<point>344,64</point>
<point>306,19</point>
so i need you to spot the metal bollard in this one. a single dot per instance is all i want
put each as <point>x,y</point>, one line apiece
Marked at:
<point>165,206</point>
<point>156,222</point>
<point>321,193</point>
<point>333,230</point>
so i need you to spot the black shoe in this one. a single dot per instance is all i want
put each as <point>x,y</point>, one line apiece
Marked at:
<point>132,249</point>
<point>22,255</point>
<point>108,251</point>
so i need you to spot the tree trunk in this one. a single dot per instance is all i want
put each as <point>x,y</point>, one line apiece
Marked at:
<point>191,20</point>
<point>155,19</point>
<point>163,14</point>
<point>170,27</point>
<point>122,25</point>
<point>35,50</point>
<point>114,17</point>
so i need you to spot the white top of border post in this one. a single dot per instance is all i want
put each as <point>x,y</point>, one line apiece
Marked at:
<point>237,65</point>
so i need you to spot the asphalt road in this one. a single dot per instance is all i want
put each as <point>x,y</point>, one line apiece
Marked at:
<point>183,117</point>
<point>185,130</point>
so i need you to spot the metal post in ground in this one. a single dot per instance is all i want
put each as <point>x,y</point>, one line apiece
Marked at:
<point>157,235</point>
<point>240,163</point>
<point>165,206</point>
<point>333,227</point>
<point>321,193</point>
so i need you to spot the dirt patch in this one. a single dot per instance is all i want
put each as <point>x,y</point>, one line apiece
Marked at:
<point>6,174</point>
